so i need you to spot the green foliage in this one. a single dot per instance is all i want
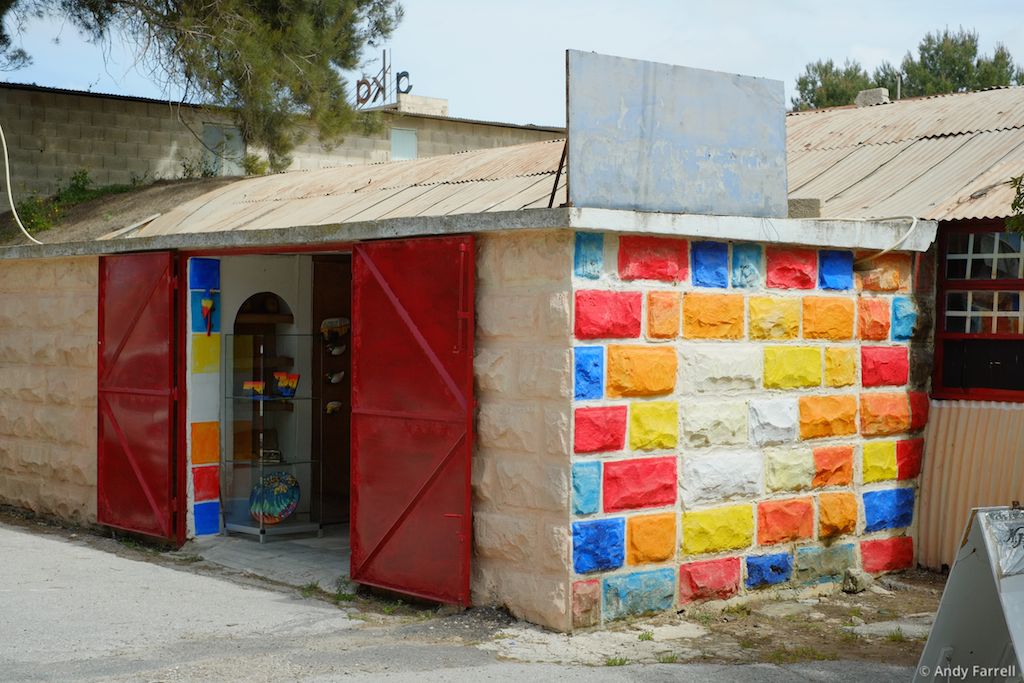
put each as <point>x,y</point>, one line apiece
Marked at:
<point>42,213</point>
<point>273,65</point>
<point>896,636</point>
<point>197,166</point>
<point>253,165</point>
<point>646,636</point>
<point>667,658</point>
<point>616,661</point>
<point>823,84</point>
<point>1016,221</point>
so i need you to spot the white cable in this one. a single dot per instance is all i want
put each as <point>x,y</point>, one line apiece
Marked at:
<point>895,244</point>
<point>10,197</point>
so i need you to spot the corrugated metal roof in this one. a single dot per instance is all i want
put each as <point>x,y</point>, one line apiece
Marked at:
<point>498,179</point>
<point>944,157</point>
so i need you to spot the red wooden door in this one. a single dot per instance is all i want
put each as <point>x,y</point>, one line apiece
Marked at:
<point>412,412</point>
<point>137,458</point>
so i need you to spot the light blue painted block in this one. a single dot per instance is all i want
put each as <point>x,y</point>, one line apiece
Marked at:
<point>639,592</point>
<point>196,303</point>
<point>888,509</point>
<point>835,269</point>
<point>589,257</point>
<point>710,264</point>
<point>904,318</point>
<point>204,273</point>
<point>746,265</point>
<point>768,570</point>
<point>586,487</point>
<point>589,372</point>
<point>207,517</point>
<point>598,544</point>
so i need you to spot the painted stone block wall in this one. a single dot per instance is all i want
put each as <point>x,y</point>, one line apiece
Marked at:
<point>48,332</point>
<point>744,417</point>
<point>521,465</point>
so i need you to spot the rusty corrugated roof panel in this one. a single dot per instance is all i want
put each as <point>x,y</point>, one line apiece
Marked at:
<point>497,179</point>
<point>944,157</point>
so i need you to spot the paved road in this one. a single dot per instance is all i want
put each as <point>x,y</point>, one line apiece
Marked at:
<point>70,612</point>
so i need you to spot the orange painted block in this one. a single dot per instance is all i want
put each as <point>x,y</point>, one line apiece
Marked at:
<point>663,315</point>
<point>205,443</point>
<point>650,538</point>
<point>713,316</point>
<point>887,273</point>
<point>882,414</point>
<point>640,370</point>
<point>828,317</point>
<point>840,366</point>
<point>837,514</point>
<point>873,319</point>
<point>833,466</point>
<point>779,521</point>
<point>822,416</point>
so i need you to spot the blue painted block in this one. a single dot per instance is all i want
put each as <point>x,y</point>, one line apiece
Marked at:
<point>888,509</point>
<point>710,264</point>
<point>589,362</point>
<point>904,318</point>
<point>207,517</point>
<point>599,544</point>
<point>204,273</point>
<point>586,487</point>
<point>822,565</point>
<point>768,570</point>
<point>835,269</point>
<point>196,302</point>
<point>638,592</point>
<point>746,265</point>
<point>589,257</point>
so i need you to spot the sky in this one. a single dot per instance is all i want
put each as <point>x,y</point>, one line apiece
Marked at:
<point>506,61</point>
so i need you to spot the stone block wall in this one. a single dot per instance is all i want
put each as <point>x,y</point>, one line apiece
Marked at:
<point>744,417</point>
<point>521,467</point>
<point>48,332</point>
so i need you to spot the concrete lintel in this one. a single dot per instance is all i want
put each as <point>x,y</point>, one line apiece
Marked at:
<point>835,233</point>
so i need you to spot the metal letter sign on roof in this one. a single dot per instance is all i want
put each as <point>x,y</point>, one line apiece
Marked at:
<point>657,137</point>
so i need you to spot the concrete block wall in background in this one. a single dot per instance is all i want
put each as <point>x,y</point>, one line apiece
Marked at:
<point>745,416</point>
<point>48,332</point>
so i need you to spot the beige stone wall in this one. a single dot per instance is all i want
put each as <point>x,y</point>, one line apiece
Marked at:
<point>521,474</point>
<point>50,135</point>
<point>48,329</point>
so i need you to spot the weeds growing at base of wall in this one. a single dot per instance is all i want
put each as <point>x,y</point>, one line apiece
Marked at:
<point>42,213</point>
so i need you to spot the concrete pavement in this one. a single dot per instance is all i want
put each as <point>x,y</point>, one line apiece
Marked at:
<point>71,612</point>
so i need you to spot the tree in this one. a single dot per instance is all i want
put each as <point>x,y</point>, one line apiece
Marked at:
<point>823,84</point>
<point>949,62</point>
<point>273,65</point>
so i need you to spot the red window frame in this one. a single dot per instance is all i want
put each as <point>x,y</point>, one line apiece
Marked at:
<point>943,284</point>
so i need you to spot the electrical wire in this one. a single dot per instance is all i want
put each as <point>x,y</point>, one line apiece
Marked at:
<point>10,197</point>
<point>895,244</point>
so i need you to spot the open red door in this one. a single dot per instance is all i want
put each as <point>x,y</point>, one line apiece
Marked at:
<point>412,416</point>
<point>137,457</point>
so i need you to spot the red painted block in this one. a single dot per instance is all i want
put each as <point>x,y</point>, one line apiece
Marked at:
<point>644,483</point>
<point>791,268</point>
<point>713,579</point>
<point>887,554</point>
<point>779,521</point>
<point>918,410</point>
<point>884,366</point>
<point>600,429</point>
<point>206,482</point>
<point>653,258</point>
<point>908,458</point>
<point>601,314</point>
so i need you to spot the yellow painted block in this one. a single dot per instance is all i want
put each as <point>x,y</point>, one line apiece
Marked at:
<point>774,317</point>
<point>712,316</point>
<point>840,367</point>
<point>650,538</point>
<point>653,425</point>
<point>205,353</point>
<point>828,317</point>
<point>641,370</point>
<point>792,367</point>
<point>788,469</point>
<point>879,461</point>
<point>717,529</point>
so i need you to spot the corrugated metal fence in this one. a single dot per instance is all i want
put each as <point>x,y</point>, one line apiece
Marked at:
<point>974,456</point>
